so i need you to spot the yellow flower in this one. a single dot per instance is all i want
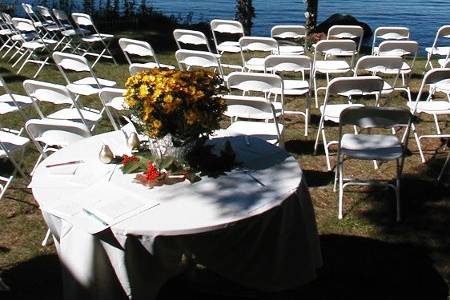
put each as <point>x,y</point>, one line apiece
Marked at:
<point>191,117</point>
<point>143,91</point>
<point>156,124</point>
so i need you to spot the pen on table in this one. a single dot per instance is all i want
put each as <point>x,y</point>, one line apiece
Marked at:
<point>95,217</point>
<point>65,163</point>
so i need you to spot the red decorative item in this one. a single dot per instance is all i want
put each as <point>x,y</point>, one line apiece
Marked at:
<point>152,173</point>
<point>126,159</point>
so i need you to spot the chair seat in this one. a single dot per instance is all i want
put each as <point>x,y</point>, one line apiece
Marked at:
<point>5,32</point>
<point>97,37</point>
<point>332,66</point>
<point>293,87</point>
<point>442,62</point>
<point>33,45</point>
<point>20,99</point>
<point>255,64</point>
<point>59,138</point>
<point>438,50</point>
<point>431,107</point>
<point>118,103</point>
<point>262,130</point>
<point>11,142</point>
<point>371,146</point>
<point>88,86</point>
<point>229,46</point>
<point>72,32</point>
<point>333,111</point>
<point>152,65</point>
<point>6,108</point>
<point>242,112</point>
<point>387,88</point>
<point>73,115</point>
<point>288,49</point>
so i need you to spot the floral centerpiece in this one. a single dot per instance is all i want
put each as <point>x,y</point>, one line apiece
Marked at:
<point>177,110</point>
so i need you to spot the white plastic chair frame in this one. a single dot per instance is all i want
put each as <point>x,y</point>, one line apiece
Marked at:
<point>71,36</point>
<point>379,66</point>
<point>288,37</point>
<point>393,149</point>
<point>113,98</point>
<point>6,34</point>
<point>142,49</point>
<point>389,33</point>
<point>280,64</point>
<point>17,38</point>
<point>195,38</point>
<point>188,59</point>
<point>332,49</point>
<point>435,49</point>
<point>407,50</point>
<point>261,86</point>
<point>85,20</point>
<point>347,32</point>
<point>344,86</point>
<point>26,26</point>
<point>226,27</point>
<point>259,46</point>
<point>437,80</point>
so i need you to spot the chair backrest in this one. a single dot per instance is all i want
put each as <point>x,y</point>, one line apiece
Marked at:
<point>288,32</point>
<point>443,31</point>
<point>67,61</point>
<point>375,117</point>
<point>379,64</point>
<point>23,25</point>
<point>30,12</point>
<point>346,32</point>
<point>36,128</point>
<point>254,82</point>
<point>398,48</point>
<point>225,27</point>
<point>432,78</point>
<point>287,63</point>
<point>194,38</point>
<point>48,92</point>
<point>254,43</point>
<point>136,47</point>
<point>351,86</point>
<point>191,58</point>
<point>136,68</point>
<point>61,17</point>
<point>44,12</point>
<point>113,97</point>
<point>335,47</point>
<point>390,33</point>
<point>84,21</point>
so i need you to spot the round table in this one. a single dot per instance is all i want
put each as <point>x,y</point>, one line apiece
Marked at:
<point>117,239</point>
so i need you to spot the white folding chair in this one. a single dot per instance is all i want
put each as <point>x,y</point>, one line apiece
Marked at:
<point>246,85</point>
<point>85,21</point>
<point>226,34</point>
<point>59,95</point>
<point>71,36</point>
<point>293,86</point>
<point>366,146</point>
<point>254,50</point>
<point>191,40</point>
<point>86,86</point>
<point>6,35</point>
<point>50,135</point>
<point>251,110</point>
<point>407,50</point>
<point>32,48</point>
<point>386,67</point>
<point>329,59</point>
<point>224,28</point>
<point>288,37</point>
<point>435,80</point>
<point>348,87</point>
<point>11,142</point>
<point>388,33</point>
<point>437,49</point>
<point>113,99</point>
<point>142,49</point>
<point>347,32</point>
<point>189,59</point>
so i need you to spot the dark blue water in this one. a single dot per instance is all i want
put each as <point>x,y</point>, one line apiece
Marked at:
<point>423,17</point>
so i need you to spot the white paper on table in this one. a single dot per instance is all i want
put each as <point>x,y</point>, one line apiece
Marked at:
<point>100,206</point>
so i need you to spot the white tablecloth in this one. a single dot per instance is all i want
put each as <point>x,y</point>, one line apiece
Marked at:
<point>255,225</point>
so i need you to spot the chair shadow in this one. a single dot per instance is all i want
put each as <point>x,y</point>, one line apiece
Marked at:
<point>318,178</point>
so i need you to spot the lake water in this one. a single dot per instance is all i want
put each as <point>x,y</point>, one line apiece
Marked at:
<point>422,17</point>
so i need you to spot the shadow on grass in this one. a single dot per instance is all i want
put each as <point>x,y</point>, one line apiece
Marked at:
<point>354,268</point>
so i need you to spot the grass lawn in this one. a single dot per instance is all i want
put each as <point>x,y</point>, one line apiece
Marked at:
<point>367,255</point>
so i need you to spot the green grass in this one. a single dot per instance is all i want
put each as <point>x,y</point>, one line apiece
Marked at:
<point>352,247</point>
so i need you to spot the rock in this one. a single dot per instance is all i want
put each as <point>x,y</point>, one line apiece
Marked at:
<point>341,19</point>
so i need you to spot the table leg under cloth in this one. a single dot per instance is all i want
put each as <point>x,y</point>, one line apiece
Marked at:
<point>273,251</point>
